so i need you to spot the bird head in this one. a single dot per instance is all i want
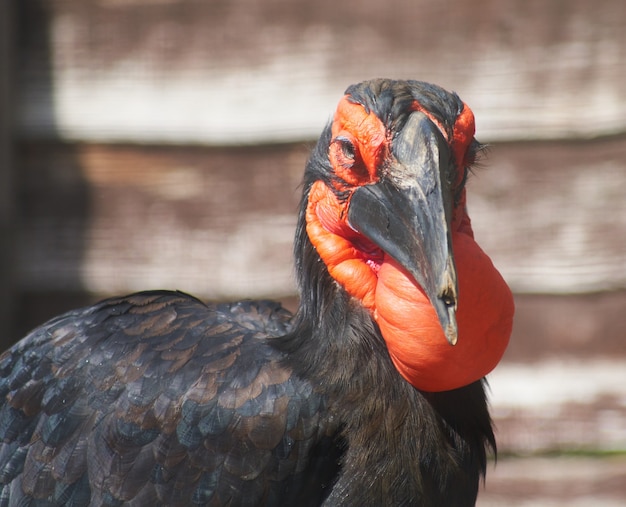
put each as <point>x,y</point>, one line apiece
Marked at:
<point>385,210</point>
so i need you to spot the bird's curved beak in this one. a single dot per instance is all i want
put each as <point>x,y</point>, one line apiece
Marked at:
<point>408,213</point>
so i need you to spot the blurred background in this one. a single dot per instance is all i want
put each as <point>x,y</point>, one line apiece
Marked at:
<point>160,144</point>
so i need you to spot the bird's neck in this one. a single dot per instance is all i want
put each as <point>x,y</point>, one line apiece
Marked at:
<point>394,432</point>
<point>334,339</point>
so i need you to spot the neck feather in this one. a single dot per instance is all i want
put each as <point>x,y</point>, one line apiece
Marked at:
<point>404,441</point>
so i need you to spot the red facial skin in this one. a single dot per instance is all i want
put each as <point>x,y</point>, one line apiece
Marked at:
<point>406,318</point>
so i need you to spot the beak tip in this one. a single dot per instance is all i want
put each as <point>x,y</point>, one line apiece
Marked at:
<point>450,325</point>
<point>451,336</point>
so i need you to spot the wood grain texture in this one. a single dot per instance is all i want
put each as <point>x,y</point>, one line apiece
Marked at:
<point>553,215</point>
<point>214,222</point>
<point>219,222</point>
<point>235,72</point>
<point>134,400</point>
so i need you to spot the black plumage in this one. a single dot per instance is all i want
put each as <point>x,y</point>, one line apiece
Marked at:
<point>160,399</point>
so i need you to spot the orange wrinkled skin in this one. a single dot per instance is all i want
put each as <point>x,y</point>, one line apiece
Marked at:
<point>328,230</point>
<point>407,320</point>
<point>414,337</point>
<point>463,135</point>
<point>363,128</point>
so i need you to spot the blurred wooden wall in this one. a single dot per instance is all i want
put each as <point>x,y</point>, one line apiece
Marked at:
<point>7,174</point>
<point>160,143</point>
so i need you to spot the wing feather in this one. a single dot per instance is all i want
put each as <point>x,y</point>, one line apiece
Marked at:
<point>155,398</point>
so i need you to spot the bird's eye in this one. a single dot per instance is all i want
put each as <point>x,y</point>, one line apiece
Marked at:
<point>347,148</point>
<point>343,151</point>
<point>346,161</point>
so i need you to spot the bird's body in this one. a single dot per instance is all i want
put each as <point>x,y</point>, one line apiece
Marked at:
<point>159,399</point>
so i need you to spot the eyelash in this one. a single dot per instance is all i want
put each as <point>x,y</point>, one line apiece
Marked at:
<point>347,153</point>
<point>348,149</point>
<point>348,166</point>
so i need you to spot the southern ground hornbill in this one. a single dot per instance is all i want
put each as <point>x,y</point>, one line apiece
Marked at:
<point>371,394</point>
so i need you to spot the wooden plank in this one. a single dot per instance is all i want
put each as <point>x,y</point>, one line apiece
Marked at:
<point>568,327</point>
<point>555,480</point>
<point>113,219</point>
<point>552,215</point>
<point>560,405</point>
<point>240,72</point>
<point>220,222</point>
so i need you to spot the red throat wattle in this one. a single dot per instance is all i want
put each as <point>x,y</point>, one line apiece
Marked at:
<point>414,337</point>
<point>407,320</point>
